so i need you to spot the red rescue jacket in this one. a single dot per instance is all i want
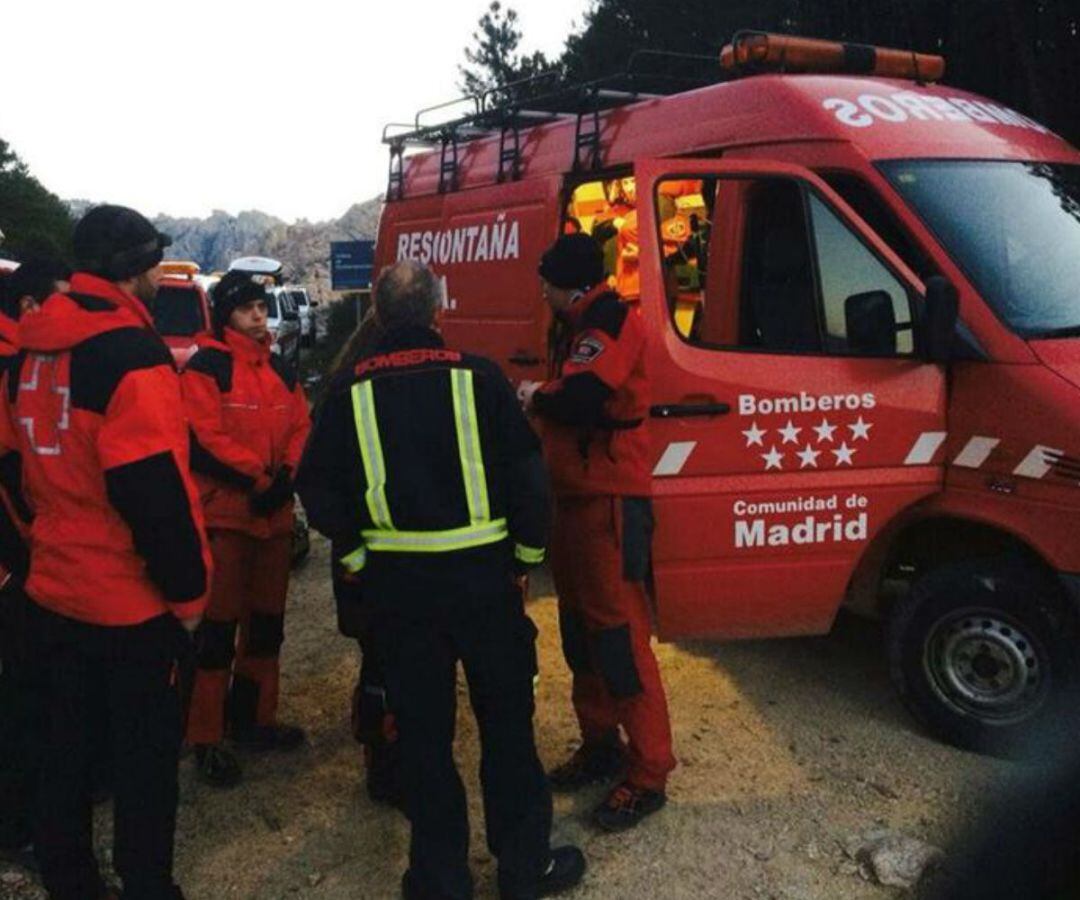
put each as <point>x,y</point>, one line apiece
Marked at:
<point>94,410</point>
<point>249,417</point>
<point>595,416</point>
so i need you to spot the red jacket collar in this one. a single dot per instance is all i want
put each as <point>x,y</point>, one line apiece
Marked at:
<point>238,345</point>
<point>85,283</point>
<point>66,320</point>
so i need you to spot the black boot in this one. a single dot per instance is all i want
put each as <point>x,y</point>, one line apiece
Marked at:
<point>217,766</point>
<point>565,871</point>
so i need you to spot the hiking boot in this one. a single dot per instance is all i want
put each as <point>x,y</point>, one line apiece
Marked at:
<point>588,765</point>
<point>566,869</point>
<point>626,806</point>
<point>262,738</point>
<point>217,766</point>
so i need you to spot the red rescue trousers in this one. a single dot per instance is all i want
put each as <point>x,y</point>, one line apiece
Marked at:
<point>238,644</point>
<point>599,557</point>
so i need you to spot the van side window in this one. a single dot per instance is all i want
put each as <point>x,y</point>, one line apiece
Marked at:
<point>862,198</point>
<point>867,309</point>
<point>763,264</point>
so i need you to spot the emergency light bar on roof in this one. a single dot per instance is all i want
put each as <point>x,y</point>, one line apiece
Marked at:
<point>177,268</point>
<point>759,51</point>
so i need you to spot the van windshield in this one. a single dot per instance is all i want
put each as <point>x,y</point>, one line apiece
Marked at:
<point>1013,227</point>
<point>177,311</point>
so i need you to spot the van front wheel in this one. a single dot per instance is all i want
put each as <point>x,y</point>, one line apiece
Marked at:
<point>980,652</point>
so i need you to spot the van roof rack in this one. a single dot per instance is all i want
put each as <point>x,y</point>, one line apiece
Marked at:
<point>509,109</point>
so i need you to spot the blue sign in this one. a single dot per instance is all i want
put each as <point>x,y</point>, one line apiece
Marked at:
<point>351,265</point>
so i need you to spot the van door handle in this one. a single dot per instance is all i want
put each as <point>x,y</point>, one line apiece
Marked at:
<point>675,410</point>
<point>521,359</point>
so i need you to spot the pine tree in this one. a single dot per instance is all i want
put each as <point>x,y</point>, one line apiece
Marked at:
<point>33,220</point>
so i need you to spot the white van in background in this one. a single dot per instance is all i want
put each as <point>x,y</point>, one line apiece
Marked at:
<point>284,323</point>
<point>305,306</point>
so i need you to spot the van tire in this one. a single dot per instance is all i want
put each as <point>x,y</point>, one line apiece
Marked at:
<point>982,652</point>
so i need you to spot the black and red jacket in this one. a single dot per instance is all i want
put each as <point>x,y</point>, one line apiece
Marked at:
<point>95,412</point>
<point>249,418</point>
<point>594,416</point>
<point>410,377</point>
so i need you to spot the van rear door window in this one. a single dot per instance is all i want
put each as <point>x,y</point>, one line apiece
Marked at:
<point>607,210</point>
<point>177,311</point>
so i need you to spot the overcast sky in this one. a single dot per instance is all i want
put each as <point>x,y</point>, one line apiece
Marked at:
<point>196,105</point>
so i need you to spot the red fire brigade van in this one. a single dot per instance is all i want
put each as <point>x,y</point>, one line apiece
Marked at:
<point>863,295</point>
<point>181,309</point>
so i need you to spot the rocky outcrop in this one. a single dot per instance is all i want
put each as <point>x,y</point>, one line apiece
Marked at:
<point>303,246</point>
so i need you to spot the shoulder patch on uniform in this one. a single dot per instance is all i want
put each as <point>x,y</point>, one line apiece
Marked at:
<point>607,314</point>
<point>283,372</point>
<point>99,363</point>
<point>216,363</point>
<point>586,350</point>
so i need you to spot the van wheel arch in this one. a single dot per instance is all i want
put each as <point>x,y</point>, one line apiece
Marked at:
<point>897,557</point>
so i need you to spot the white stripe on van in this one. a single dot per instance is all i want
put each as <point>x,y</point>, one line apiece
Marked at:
<point>925,447</point>
<point>1035,464</point>
<point>674,458</point>
<point>976,452</point>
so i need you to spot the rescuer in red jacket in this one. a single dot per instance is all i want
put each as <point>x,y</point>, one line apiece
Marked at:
<point>118,554</point>
<point>22,688</point>
<point>594,420</point>
<point>250,420</point>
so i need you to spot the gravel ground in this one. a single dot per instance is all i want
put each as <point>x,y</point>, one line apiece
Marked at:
<point>788,750</point>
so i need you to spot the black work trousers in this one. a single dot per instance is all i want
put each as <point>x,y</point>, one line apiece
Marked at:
<point>425,625</point>
<point>22,692</point>
<point>127,675</point>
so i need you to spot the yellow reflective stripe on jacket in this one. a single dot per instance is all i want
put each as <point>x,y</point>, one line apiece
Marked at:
<point>355,561</point>
<point>469,448</point>
<point>531,556</point>
<point>436,541</point>
<point>367,433</point>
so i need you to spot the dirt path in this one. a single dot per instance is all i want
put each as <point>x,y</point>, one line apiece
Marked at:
<point>788,749</point>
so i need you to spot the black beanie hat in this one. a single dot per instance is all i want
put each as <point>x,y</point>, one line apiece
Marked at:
<point>117,243</point>
<point>36,277</point>
<point>573,262</point>
<point>235,289</point>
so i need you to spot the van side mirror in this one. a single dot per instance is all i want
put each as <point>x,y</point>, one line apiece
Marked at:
<point>941,314</point>
<point>871,323</point>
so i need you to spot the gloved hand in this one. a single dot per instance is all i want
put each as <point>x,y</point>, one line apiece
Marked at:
<point>279,493</point>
